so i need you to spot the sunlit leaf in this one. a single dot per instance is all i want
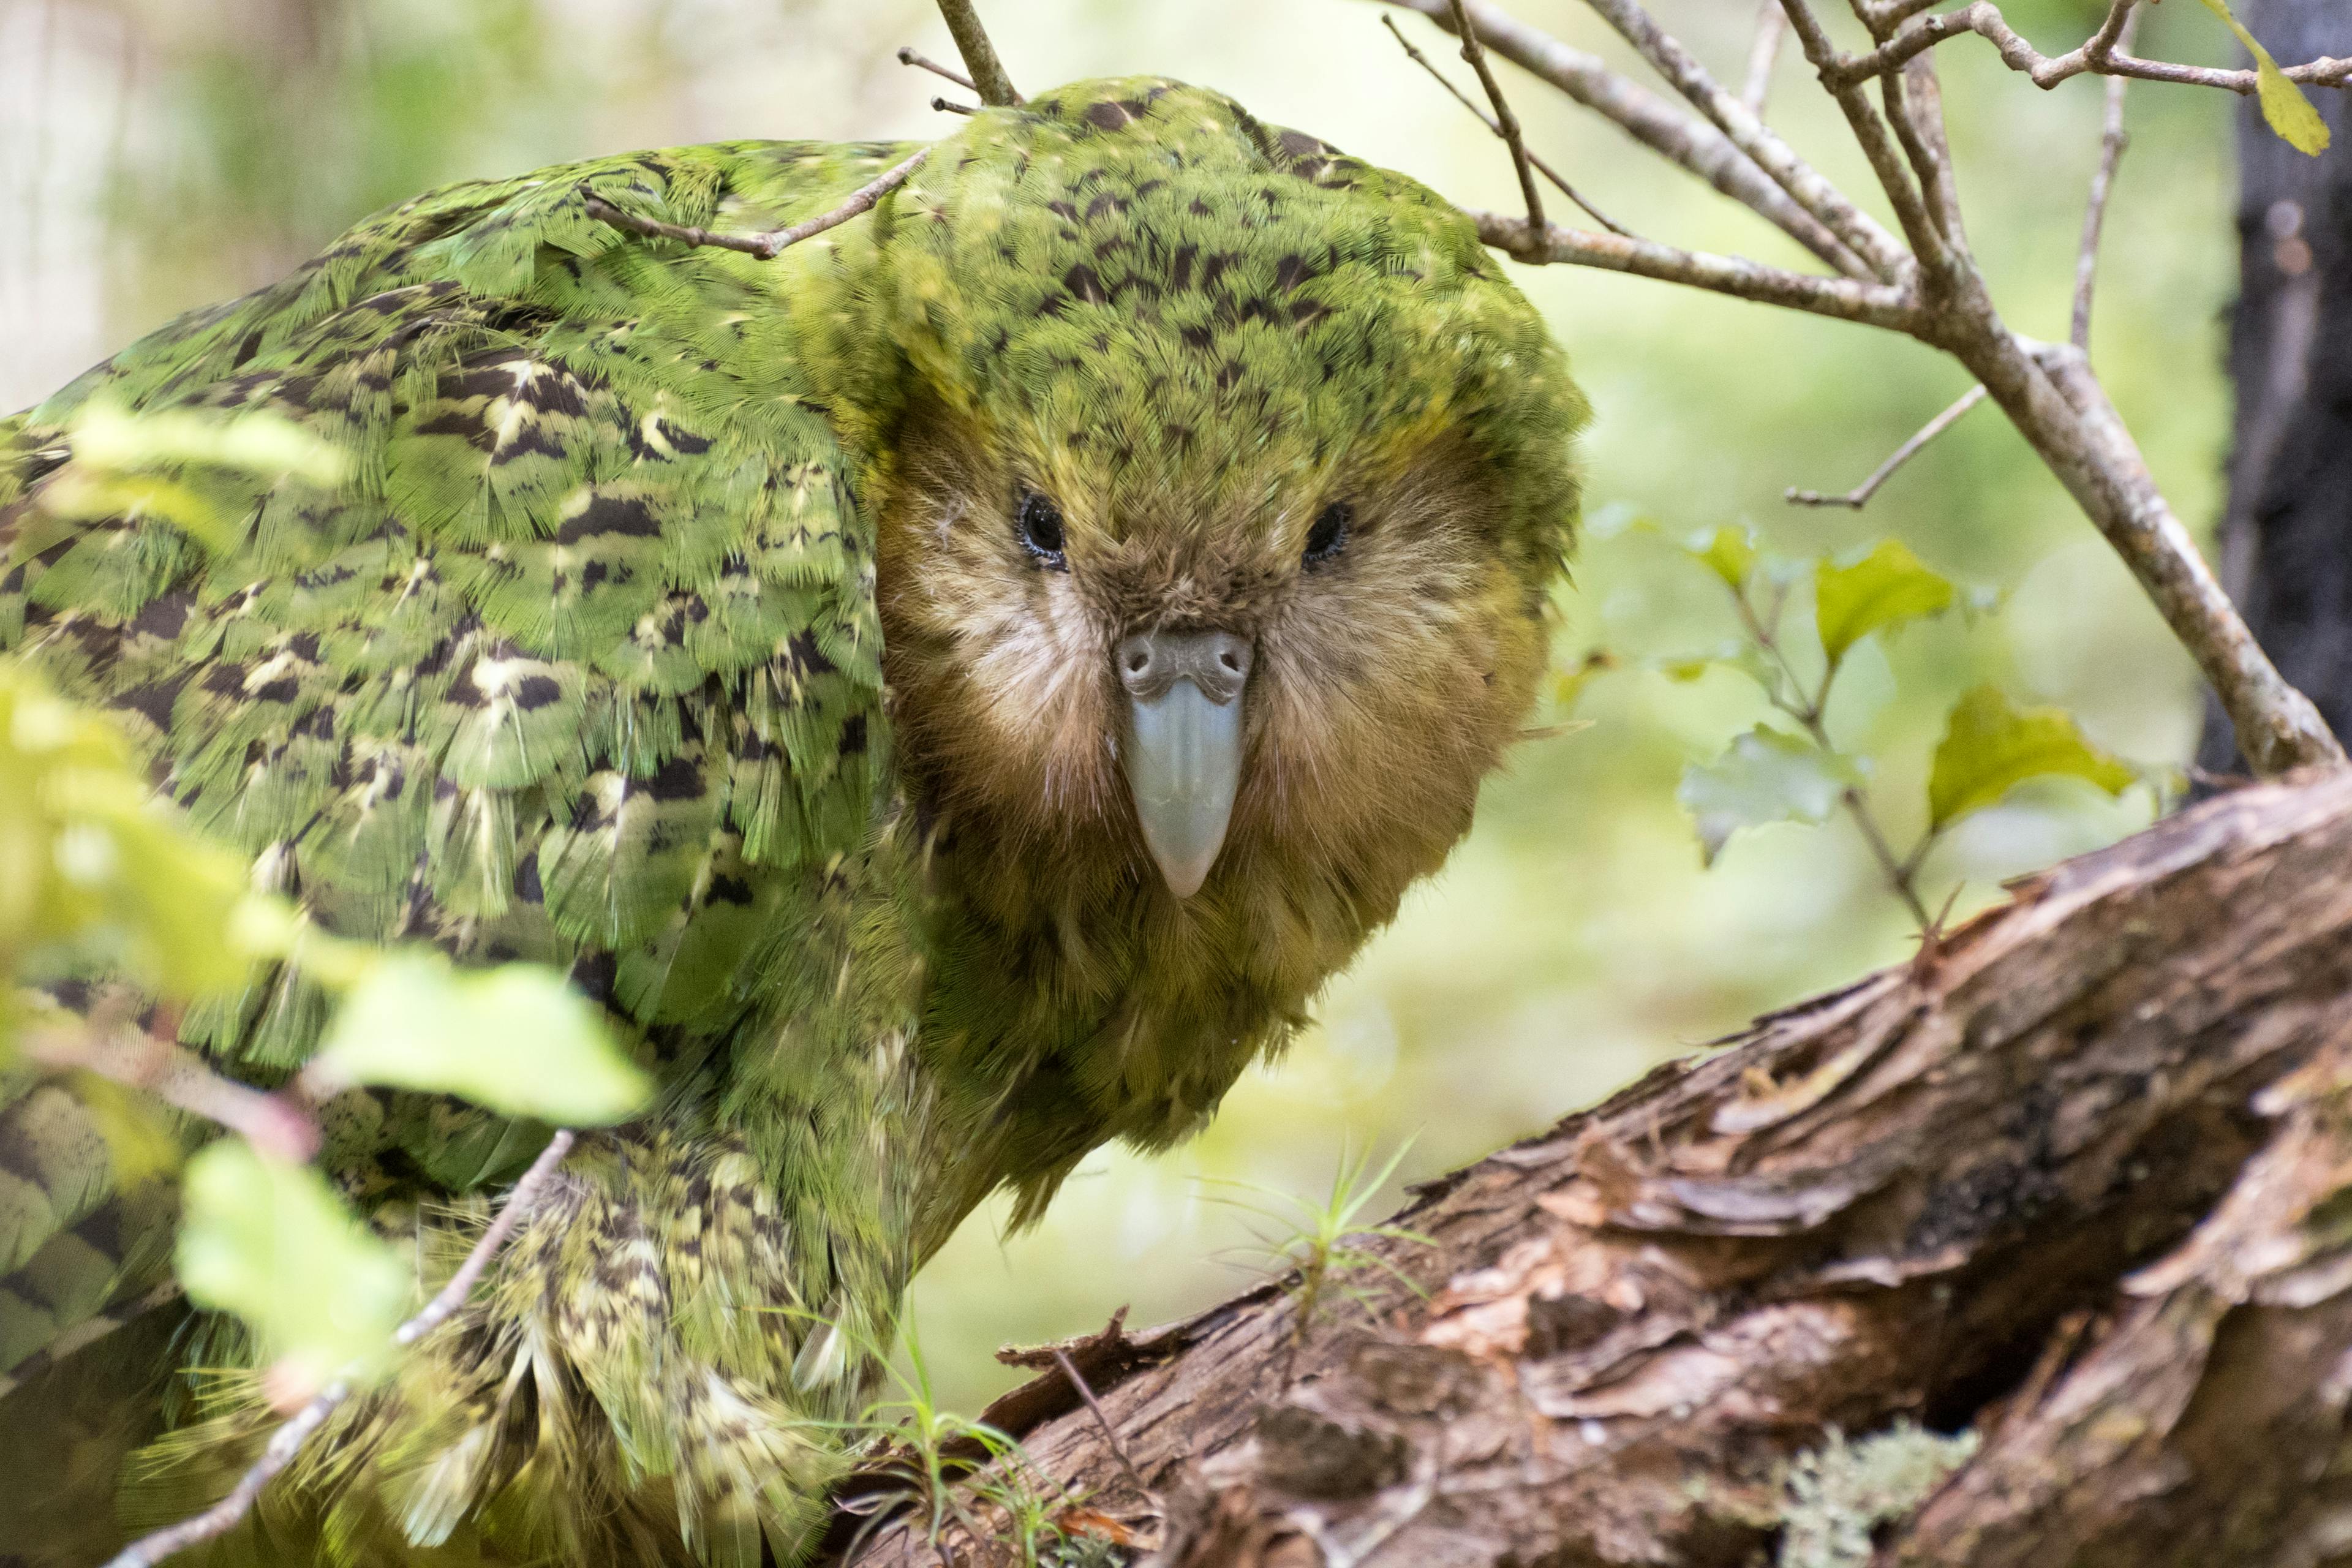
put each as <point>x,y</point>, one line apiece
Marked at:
<point>2289,113</point>
<point>269,1241</point>
<point>1990,746</point>
<point>1884,588</point>
<point>1763,776</point>
<point>94,868</point>
<point>1728,551</point>
<point>515,1038</point>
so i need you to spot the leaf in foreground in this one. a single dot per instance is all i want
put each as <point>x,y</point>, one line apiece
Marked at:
<point>1990,746</point>
<point>515,1038</point>
<point>269,1241</point>
<point>1763,776</point>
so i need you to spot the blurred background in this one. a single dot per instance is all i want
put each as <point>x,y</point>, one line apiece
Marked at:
<point>159,154</point>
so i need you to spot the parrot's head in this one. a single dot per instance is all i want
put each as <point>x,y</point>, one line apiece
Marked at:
<point>1223,513</point>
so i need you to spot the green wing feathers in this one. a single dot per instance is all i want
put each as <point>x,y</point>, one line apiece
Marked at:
<point>578,663</point>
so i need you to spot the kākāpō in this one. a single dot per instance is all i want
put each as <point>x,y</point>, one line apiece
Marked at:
<point>953,691</point>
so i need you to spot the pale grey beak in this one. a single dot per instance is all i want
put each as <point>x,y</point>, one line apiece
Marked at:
<point>1183,750</point>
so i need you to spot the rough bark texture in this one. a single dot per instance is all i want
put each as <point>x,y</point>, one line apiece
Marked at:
<point>2078,1183</point>
<point>2286,537</point>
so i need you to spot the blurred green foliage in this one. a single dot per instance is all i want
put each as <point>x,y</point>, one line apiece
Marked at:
<point>154,157</point>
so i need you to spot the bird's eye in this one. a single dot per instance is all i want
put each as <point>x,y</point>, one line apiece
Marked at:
<point>1037,522</point>
<point>1329,534</point>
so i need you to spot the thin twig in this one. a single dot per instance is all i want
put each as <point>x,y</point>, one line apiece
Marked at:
<point>1680,137</point>
<point>288,1440</point>
<point>1110,1433</point>
<point>1506,124</point>
<point>1805,184</point>
<point>1859,497</point>
<point>2101,56</point>
<point>1549,172</point>
<point>908,57</point>
<point>2113,140</point>
<point>1763,54</point>
<point>155,1063</point>
<point>1847,299</point>
<point>949,106</point>
<point>987,77</point>
<point>1889,159</point>
<point>765,246</point>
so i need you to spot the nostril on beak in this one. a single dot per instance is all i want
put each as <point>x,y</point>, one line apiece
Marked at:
<point>1217,662</point>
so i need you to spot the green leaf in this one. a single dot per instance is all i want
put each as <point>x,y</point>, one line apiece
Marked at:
<point>2289,113</point>
<point>1728,552</point>
<point>1763,776</point>
<point>515,1038</point>
<point>1990,746</point>
<point>1884,588</point>
<point>269,1241</point>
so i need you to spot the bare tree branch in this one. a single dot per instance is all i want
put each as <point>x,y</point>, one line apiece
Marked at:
<point>767,245</point>
<point>1681,138</point>
<point>2113,140</point>
<point>1804,184</point>
<point>1847,299</point>
<point>2103,54</point>
<point>1859,497</point>
<point>1506,124</point>
<point>1549,172</point>
<point>1936,293</point>
<point>154,1062</point>
<point>288,1439</point>
<point>989,81</point>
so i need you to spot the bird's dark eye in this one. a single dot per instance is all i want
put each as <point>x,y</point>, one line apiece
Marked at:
<point>1329,534</point>
<point>1038,525</point>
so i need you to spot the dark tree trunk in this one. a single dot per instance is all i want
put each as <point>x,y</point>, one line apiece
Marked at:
<point>2286,536</point>
<point>2075,1187</point>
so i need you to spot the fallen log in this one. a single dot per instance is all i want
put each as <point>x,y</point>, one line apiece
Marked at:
<point>2036,1249</point>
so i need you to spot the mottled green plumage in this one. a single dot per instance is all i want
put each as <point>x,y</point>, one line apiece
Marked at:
<point>586,664</point>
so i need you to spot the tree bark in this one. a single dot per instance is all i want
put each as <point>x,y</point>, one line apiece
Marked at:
<point>2286,535</point>
<point>2075,1184</point>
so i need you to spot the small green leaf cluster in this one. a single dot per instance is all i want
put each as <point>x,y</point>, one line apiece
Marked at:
<point>1788,767</point>
<point>99,874</point>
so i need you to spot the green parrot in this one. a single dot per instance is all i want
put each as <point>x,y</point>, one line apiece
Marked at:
<point>953,691</point>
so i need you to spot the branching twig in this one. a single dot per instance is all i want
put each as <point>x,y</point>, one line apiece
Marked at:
<point>1804,184</point>
<point>1936,294</point>
<point>1506,124</point>
<point>2113,140</point>
<point>1681,138</point>
<point>2102,55</point>
<point>1110,1433</point>
<point>157,1063</point>
<point>1549,172</point>
<point>288,1440</point>
<point>1859,497</point>
<point>765,246</point>
<point>907,57</point>
<point>987,77</point>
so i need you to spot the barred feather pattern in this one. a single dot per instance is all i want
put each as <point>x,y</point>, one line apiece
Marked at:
<point>583,663</point>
